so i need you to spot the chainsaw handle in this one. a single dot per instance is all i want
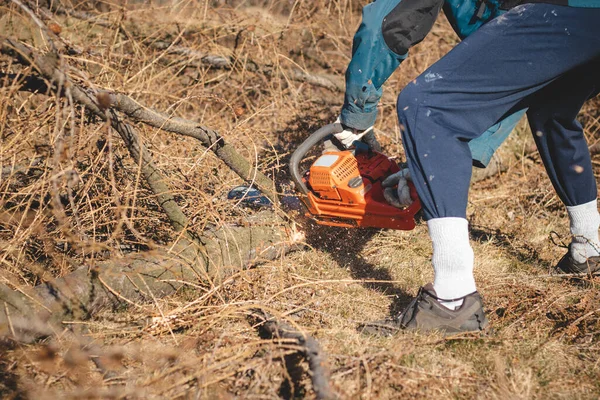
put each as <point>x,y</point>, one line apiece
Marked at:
<point>301,151</point>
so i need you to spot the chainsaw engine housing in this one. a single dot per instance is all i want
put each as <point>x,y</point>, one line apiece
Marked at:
<point>344,189</point>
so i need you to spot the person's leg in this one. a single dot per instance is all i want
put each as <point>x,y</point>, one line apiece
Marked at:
<point>564,150</point>
<point>491,74</point>
<point>484,78</point>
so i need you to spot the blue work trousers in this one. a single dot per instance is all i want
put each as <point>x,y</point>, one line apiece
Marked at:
<point>540,57</point>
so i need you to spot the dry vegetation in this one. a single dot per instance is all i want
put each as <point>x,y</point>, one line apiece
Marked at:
<point>264,73</point>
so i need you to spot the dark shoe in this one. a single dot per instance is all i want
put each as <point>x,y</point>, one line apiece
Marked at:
<point>425,313</point>
<point>568,265</point>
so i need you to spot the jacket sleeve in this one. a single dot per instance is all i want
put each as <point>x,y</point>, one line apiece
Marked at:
<point>388,29</point>
<point>466,16</point>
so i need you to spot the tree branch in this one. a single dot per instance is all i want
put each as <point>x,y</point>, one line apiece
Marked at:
<point>40,311</point>
<point>272,328</point>
<point>48,67</point>
<point>208,137</point>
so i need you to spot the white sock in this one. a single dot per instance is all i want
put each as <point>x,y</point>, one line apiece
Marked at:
<point>452,259</point>
<point>585,222</point>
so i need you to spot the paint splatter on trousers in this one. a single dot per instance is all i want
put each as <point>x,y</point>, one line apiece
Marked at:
<point>540,57</point>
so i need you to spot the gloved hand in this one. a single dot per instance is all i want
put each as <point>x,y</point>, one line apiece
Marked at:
<point>396,190</point>
<point>350,135</point>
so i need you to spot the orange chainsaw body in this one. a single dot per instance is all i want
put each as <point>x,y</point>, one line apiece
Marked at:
<point>345,190</point>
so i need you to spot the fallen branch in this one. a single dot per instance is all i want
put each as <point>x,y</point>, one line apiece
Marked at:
<point>208,137</point>
<point>48,67</point>
<point>30,314</point>
<point>195,58</point>
<point>311,351</point>
<point>324,81</point>
<point>191,55</point>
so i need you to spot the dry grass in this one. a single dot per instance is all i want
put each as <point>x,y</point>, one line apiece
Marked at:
<point>70,195</point>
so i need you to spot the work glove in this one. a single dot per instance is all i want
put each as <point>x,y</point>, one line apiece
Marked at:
<point>349,136</point>
<point>396,190</point>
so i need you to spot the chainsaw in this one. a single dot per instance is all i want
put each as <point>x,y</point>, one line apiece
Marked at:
<point>343,188</point>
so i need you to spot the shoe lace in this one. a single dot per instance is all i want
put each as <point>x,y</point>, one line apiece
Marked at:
<point>423,299</point>
<point>410,310</point>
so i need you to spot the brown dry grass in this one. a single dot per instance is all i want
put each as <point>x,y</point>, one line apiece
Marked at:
<point>71,195</point>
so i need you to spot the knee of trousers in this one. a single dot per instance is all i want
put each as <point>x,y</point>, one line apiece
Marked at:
<point>408,103</point>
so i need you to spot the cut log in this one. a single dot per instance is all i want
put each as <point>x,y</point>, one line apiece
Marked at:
<point>134,280</point>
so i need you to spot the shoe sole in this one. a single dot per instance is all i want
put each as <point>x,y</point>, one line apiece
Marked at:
<point>379,329</point>
<point>389,329</point>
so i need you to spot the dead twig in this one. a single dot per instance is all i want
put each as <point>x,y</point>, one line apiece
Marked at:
<point>48,67</point>
<point>208,137</point>
<point>195,58</point>
<point>311,351</point>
